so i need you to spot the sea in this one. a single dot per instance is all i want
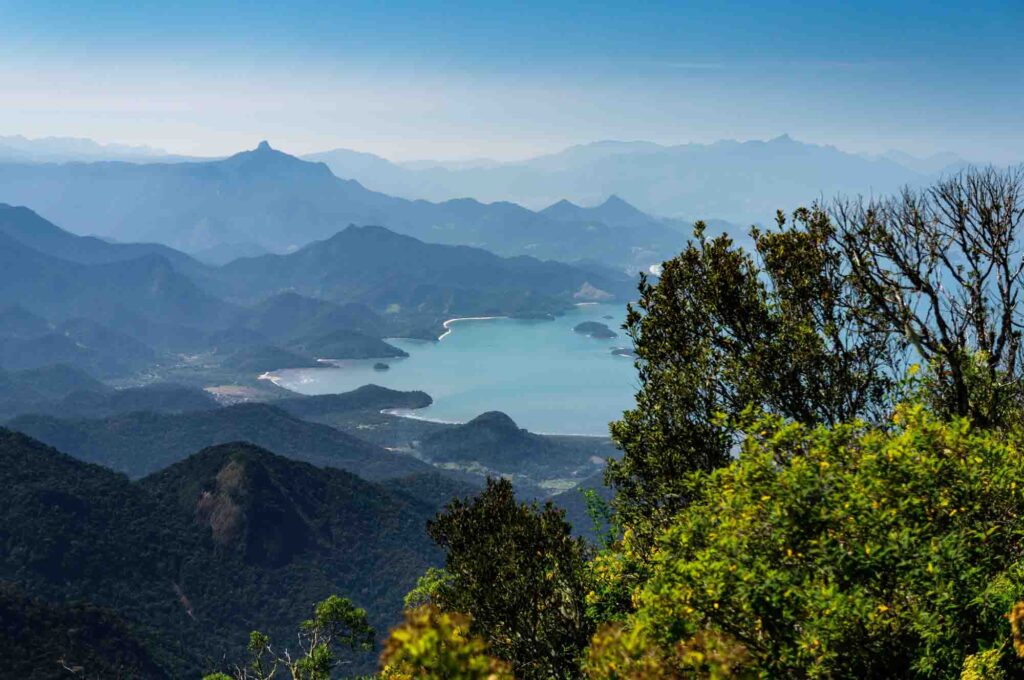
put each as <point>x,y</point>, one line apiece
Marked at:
<point>544,375</point>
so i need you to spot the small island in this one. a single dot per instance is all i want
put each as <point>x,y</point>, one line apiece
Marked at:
<point>381,366</point>
<point>594,329</point>
<point>624,352</point>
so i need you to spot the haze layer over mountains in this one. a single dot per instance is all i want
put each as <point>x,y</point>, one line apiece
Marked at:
<point>268,201</point>
<point>736,181</point>
<point>277,202</point>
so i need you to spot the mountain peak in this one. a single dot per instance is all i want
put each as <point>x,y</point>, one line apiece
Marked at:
<point>564,210</point>
<point>617,210</point>
<point>266,161</point>
<point>494,420</point>
<point>246,506</point>
<point>615,201</point>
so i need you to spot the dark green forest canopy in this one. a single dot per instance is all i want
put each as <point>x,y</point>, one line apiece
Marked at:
<point>194,557</point>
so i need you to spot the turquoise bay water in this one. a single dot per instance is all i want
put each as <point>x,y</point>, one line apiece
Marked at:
<point>546,377</point>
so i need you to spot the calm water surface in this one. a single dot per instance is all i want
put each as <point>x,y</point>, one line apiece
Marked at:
<point>548,378</point>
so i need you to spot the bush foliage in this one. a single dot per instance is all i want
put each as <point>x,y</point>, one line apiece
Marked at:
<point>851,551</point>
<point>436,645</point>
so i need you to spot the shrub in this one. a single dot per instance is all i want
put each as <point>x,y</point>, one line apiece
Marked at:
<point>851,551</point>
<point>436,645</point>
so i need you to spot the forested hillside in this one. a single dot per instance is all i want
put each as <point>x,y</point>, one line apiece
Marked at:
<point>143,442</point>
<point>196,556</point>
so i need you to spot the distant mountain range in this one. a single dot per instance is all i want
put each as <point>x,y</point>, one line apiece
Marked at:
<point>593,202</point>
<point>71,149</point>
<point>266,199</point>
<point>394,273</point>
<point>741,182</point>
<point>30,229</point>
<point>927,165</point>
<point>148,287</point>
<point>80,342</point>
<point>106,307</point>
<point>103,402</point>
<point>730,181</point>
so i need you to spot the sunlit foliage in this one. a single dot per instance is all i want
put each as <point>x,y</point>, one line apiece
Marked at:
<point>435,645</point>
<point>851,551</point>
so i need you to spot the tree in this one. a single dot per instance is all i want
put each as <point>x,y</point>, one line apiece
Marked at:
<point>782,328</point>
<point>943,268</point>
<point>519,573</point>
<point>427,587</point>
<point>850,551</point>
<point>818,325</point>
<point>435,645</point>
<point>336,623</point>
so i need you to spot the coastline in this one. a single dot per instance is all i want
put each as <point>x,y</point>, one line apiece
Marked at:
<point>450,322</point>
<point>310,381</point>
<point>270,377</point>
<point>408,413</point>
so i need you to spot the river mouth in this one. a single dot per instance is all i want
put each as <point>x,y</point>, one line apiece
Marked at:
<point>548,378</point>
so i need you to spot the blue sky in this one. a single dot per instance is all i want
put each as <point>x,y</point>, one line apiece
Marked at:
<point>508,80</point>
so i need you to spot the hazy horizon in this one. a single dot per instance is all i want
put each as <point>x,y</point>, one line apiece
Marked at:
<point>411,82</point>
<point>146,150</point>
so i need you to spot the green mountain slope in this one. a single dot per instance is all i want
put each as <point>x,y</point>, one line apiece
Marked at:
<point>494,440</point>
<point>141,443</point>
<point>192,558</point>
<point>53,641</point>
